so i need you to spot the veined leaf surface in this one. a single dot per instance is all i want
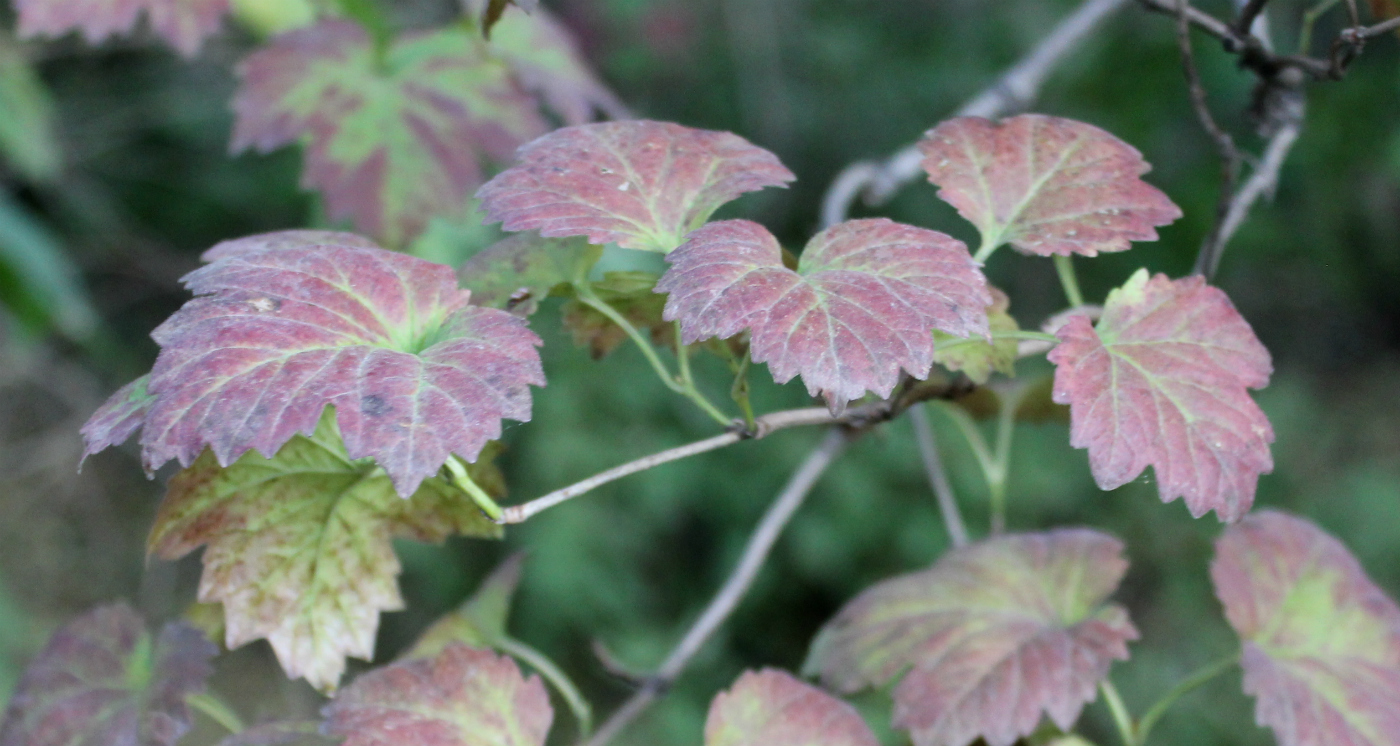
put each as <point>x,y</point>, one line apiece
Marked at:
<point>461,697</point>
<point>771,708</point>
<point>389,145</point>
<point>1045,185</point>
<point>280,331</point>
<point>639,184</point>
<point>861,306</point>
<point>183,23</point>
<point>977,358</point>
<point>516,273</point>
<point>1321,641</point>
<point>298,546</point>
<point>988,639</point>
<point>102,679</point>
<point>1162,381</point>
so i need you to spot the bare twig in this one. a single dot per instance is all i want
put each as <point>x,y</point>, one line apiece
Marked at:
<point>1363,33</point>
<point>1251,10</point>
<point>734,589</point>
<point>937,478</point>
<point>877,182</point>
<point>1230,158</point>
<point>857,418</point>
<point>1261,182</point>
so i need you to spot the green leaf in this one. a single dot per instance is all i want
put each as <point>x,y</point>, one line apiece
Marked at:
<point>102,680</point>
<point>515,274</point>
<point>1321,641</point>
<point>977,357</point>
<point>392,140</point>
<point>480,622</point>
<point>461,697</point>
<point>298,546</point>
<point>37,281</point>
<point>27,136</point>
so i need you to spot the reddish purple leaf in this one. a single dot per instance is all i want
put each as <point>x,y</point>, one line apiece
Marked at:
<point>771,708</point>
<point>639,184</point>
<point>1045,185</point>
<point>183,23</point>
<point>988,639</point>
<point>548,63</point>
<point>1321,641</point>
<point>123,414</point>
<point>390,143</point>
<point>862,304</point>
<point>462,697</point>
<point>1161,382</point>
<point>102,681</point>
<point>294,239</point>
<point>277,334</point>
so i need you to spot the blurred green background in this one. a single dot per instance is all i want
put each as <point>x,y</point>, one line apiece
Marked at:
<point>116,176</point>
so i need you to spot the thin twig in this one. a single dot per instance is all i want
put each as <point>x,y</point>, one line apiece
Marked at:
<point>1253,53</point>
<point>1371,32</point>
<point>937,478</point>
<point>1261,182</point>
<point>877,182</point>
<point>1230,158</point>
<point>1250,11</point>
<point>734,589</point>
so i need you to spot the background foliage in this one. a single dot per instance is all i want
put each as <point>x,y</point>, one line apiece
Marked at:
<point>133,180</point>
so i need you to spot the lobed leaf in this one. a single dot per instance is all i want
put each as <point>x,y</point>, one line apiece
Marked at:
<point>391,142</point>
<point>547,62</point>
<point>1045,185</point>
<point>298,546</point>
<point>977,358</point>
<point>1321,641</point>
<point>281,330</point>
<point>860,307</point>
<point>771,708</point>
<point>639,184</point>
<point>118,418</point>
<point>1161,382</point>
<point>987,639</point>
<point>183,23</point>
<point>102,680</point>
<point>461,697</point>
<point>515,274</point>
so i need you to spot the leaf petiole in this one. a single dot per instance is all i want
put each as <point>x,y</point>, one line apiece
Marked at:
<point>217,710</point>
<point>1121,717</point>
<point>1183,687</point>
<point>464,482</point>
<point>1064,267</point>
<point>582,710</point>
<point>990,242</point>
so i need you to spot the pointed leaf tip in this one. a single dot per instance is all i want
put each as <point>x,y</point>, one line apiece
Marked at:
<point>183,23</point>
<point>1161,382</point>
<point>988,640</point>
<point>461,697</point>
<point>102,679</point>
<point>639,184</point>
<point>861,306</point>
<point>1045,185</point>
<point>118,418</point>
<point>277,333</point>
<point>772,708</point>
<point>393,142</point>
<point>1321,640</point>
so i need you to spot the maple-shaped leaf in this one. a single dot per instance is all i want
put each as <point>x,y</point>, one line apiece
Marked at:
<point>390,142</point>
<point>771,708</point>
<point>183,23</point>
<point>547,62</point>
<point>1161,382</point>
<point>293,239</point>
<point>977,358</point>
<point>461,697</point>
<point>480,621</point>
<point>516,273</point>
<point>103,680</point>
<point>1321,641</point>
<point>630,294</point>
<point>861,305</point>
<point>638,184</point>
<point>298,546</point>
<point>1045,185</point>
<point>987,639</point>
<point>120,416</point>
<point>280,332</point>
